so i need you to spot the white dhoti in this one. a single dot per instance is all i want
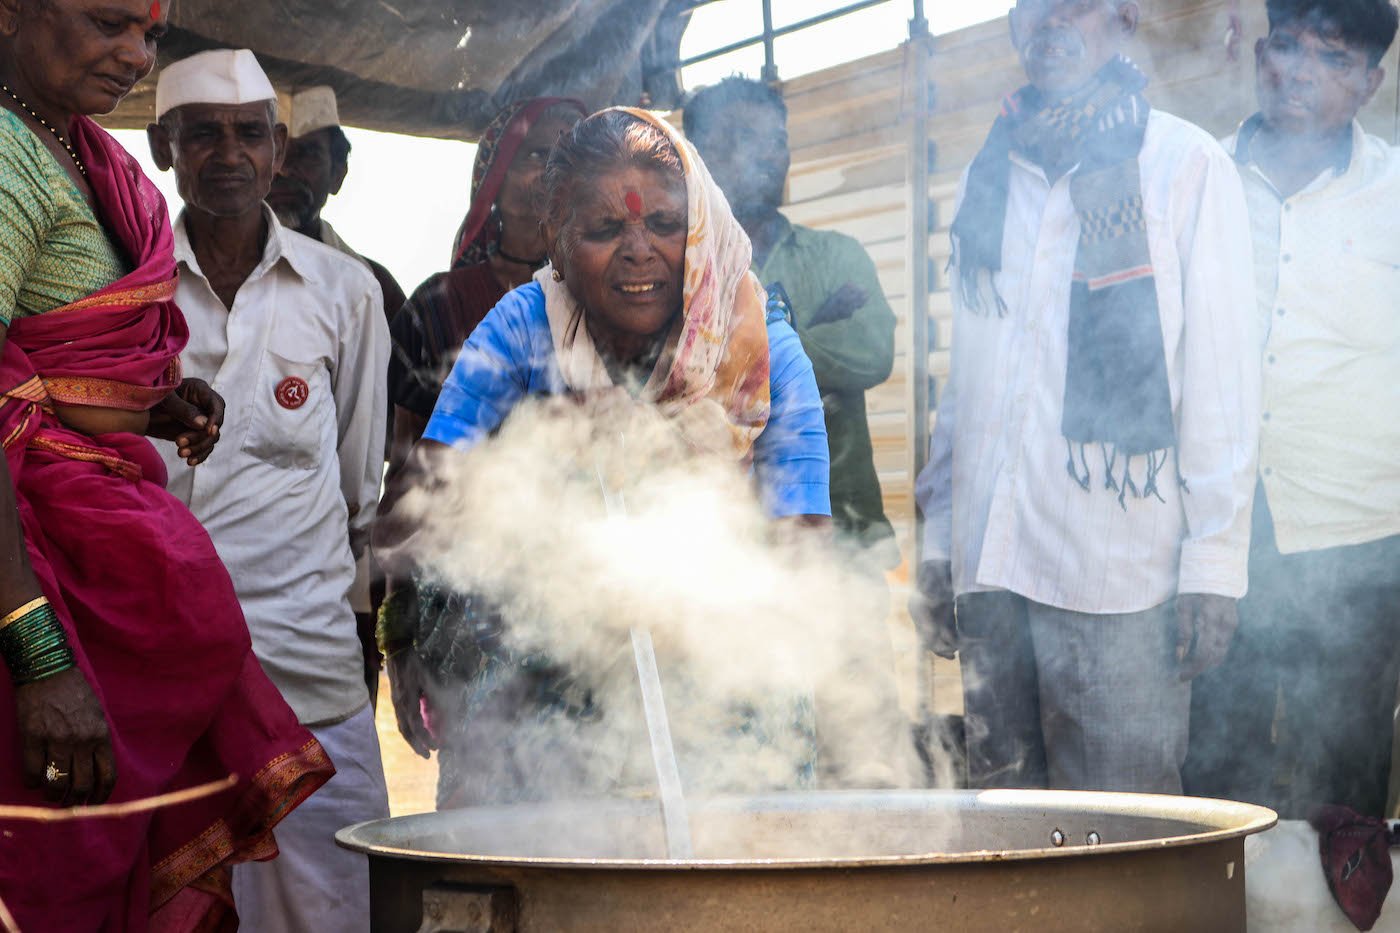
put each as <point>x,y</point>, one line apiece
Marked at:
<point>314,885</point>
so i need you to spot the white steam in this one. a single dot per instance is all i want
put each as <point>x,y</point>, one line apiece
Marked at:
<point>747,629</point>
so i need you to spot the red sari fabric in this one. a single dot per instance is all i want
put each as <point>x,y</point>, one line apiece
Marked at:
<point>149,608</point>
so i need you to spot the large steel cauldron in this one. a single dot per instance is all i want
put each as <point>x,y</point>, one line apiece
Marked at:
<point>850,861</point>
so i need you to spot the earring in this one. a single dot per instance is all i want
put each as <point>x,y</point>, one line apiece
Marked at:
<point>556,275</point>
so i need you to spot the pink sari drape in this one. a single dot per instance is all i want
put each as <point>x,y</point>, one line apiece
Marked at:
<point>149,609</point>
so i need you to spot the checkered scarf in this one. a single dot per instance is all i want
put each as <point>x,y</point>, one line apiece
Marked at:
<point>1116,392</point>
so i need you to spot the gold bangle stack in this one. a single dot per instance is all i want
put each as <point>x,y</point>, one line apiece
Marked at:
<point>17,614</point>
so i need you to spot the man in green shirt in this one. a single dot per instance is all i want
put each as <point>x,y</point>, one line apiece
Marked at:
<point>739,127</point>
<point>846,325</point>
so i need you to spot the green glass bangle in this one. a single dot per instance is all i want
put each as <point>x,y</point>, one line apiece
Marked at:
<point>35,646</point>
<point>397,625</point>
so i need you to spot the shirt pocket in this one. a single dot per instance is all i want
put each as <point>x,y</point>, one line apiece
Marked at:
<point>289,413</point>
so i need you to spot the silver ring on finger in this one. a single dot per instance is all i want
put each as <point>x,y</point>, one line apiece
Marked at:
<point>52,774</point>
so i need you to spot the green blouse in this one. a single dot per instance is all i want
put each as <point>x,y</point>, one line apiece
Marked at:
<point>53,250</point>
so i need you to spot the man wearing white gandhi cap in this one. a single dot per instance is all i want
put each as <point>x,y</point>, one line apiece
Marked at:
<point>292,333</point>
<point>318,159</point>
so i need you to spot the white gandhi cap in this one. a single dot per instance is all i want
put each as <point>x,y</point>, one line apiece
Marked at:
<point>308,110</point>
<point>223,76</point>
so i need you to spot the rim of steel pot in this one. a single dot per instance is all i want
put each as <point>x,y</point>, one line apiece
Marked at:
<point>1219,820</point>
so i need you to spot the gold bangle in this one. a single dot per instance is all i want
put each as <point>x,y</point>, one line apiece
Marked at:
<point>22,611</point>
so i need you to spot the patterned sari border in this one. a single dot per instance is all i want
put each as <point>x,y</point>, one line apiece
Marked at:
<point>32,394</point>
<point>118,465</point>
<point>284,783</point>
<point>31,390</point>
<point>128,297</point>
<point>19,430</point>
<point>104,393</point>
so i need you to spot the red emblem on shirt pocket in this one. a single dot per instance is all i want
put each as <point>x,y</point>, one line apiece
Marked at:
<point>292,392</point>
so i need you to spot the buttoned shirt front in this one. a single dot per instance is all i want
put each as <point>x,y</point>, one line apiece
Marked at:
<point>1327,268</point>
<point>290,490</point>
<point>997,497</point>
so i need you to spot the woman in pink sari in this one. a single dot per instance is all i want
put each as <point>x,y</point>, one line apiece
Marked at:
<point>131,670</point>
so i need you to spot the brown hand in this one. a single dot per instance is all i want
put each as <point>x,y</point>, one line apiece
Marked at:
<point>406,687</point>
<point>1205,624</point>
<point>369,650</point>
<point>840,305</point>
<point>191,416</point>
<point>66,746</point>
<point>931,608</point>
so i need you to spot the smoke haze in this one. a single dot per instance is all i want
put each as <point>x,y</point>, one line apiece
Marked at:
<point>747,629</point>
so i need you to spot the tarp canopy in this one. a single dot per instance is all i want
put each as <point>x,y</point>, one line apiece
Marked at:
<point>439,67</point>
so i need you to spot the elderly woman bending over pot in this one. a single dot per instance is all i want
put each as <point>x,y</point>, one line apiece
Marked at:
<point>648,289</point>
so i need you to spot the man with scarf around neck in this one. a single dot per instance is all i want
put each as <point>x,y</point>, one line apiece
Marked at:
<point>1087,500</point>
<point>1300,712</point>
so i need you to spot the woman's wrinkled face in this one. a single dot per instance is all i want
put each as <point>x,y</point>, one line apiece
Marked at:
<point>84,56</point>
<point>622,252</point>
<point>521,194</point>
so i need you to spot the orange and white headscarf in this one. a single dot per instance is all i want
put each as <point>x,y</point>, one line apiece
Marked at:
<point>712,377</point>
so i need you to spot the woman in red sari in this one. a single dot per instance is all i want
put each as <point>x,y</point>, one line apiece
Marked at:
<point>131,670</point>
<point>498,246</point>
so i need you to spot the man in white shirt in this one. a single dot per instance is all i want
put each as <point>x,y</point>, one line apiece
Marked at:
<point>292,334</point>
<point>1087,499</point>
<point>1300,712</point>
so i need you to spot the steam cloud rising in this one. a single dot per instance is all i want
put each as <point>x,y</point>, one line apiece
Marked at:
<point>747,630</point>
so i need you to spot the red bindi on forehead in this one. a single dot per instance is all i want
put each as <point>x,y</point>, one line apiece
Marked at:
<point>633,200</point>
<point>155,10</point>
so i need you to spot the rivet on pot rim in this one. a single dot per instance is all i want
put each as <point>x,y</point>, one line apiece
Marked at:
<point>1094,838</point>
<point>1057,838</point>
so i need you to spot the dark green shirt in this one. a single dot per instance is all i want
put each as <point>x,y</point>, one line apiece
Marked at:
<point>849,356</point>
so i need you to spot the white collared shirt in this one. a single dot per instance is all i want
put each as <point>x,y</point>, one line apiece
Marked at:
<point>290,490</point>
<point>1327,263</point>
<point>997,497</point>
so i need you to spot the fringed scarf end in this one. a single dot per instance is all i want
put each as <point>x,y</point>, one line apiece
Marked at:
<point>1155,461</point>
<point>973,290</point>
<point>1128,485</point>
<point>1110,457</point>
<point>1073,470</point>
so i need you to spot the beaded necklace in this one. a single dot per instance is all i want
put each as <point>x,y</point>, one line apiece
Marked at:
<point>72,153</point>
<point>532,263</point>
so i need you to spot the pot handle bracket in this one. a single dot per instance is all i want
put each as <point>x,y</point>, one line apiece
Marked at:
<point>465,908</point>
